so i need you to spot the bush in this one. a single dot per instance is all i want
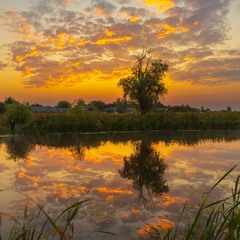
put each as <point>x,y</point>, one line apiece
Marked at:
<point>19,113</point>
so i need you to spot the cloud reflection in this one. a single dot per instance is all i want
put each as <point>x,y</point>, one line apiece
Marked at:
<point>55,177</point>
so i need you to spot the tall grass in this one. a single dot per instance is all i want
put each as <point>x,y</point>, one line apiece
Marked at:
<point>219,220</point>
<point>42,226</point>
<point>98,122</point>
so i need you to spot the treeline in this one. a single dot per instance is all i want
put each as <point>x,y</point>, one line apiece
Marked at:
<point>17,118</point>
<point>118,106</point>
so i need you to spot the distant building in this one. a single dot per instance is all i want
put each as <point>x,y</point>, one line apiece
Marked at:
<point>48,110</point>
<point>130,110</point>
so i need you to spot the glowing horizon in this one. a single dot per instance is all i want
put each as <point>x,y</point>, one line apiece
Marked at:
<point>65,50</point>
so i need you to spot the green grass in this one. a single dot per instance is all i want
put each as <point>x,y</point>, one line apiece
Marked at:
<point>100,122</point>
<point>219,220</point>
<point>42,226</point>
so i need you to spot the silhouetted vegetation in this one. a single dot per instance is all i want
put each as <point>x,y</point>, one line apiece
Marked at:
<point>64,104</point>
<point>19,147</point>
<point>79,121</point>
<point>218,219</point>
<point>146,169</point>
<point>145,84</point>
<point>118,116</point>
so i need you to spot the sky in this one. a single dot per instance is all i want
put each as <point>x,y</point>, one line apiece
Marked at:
<point>52,50</point>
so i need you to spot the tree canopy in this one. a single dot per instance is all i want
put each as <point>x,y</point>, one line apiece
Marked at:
<point>146,83</point>
<point>63,104</point>
<point>18,112</point>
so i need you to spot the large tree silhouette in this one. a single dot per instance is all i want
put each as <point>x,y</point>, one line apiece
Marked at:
<point>146,83</point>
<point>146,169</point>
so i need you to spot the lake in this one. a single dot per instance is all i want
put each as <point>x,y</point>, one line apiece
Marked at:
<point>131,180</point>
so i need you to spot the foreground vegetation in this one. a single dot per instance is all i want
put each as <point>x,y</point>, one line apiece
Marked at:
<point>17,118</point>
<point>213,220</point>
<point>100,122</point>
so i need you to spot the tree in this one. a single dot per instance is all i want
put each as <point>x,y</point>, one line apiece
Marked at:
<point>36,105</point>
<point>229,109</point>
<point>18,112</point>
<point>2,105</point>
<point>100,105</point>
<point>63,104</point>
<point>145,84</point>
<point>78,108</point>
<point>10,100</point>
<point>121,105</point>
<point>146,169</point>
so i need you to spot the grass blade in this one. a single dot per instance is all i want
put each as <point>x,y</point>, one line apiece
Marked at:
<point>224,176</point>
<point>9,216</point>
<point>108,233</point>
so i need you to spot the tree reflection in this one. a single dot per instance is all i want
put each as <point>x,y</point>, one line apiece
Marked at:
<point>78,152</point>
<point>18,148</point>
<point>146,169</point>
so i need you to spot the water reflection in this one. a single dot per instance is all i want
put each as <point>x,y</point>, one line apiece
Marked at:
<point>59,170</point>
<point>18,148</point>
<point>146,169</point>
<point>78,152</point>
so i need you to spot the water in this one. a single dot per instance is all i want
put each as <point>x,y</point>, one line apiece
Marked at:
<point>131,180</point>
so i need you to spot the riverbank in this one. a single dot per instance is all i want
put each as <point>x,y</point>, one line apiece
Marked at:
<point>105,123</point>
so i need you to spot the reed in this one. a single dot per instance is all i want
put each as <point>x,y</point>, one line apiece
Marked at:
<point>98,122</point>
<point>219,220</point>
<point>42,226</point>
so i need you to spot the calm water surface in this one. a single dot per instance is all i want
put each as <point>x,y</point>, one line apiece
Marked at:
<point>131,181</point>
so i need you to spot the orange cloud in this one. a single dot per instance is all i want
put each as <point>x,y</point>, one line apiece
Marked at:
<point>133,19</point>
<point>162,5</point>
<point>109,197</point>
<point>31,52</point>
<point>187,59</point>
<point>100,11</point>
<point>17,23</point>
<point>168,200</point>
<point>188,171</point>
<point>161,223</point>
<point>64,190</point>
<point>113,191</point>
<point>104,41</point>
<point>22,175</point>
<point>167,30</point>
<point>26,71</point>
<point>77,168</point>
<point>108,33</point>
<point>135,211</point>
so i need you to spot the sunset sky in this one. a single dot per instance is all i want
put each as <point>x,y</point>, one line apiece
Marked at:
<point>55,50</point>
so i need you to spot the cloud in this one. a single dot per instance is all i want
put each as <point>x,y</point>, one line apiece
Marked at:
<point>102,8</point>
<point>162,5</point>
<point>63,45</point>
<point>141,13</point>
<point>200,68</point>
<point>2,65</point>
<point>123,1</point>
